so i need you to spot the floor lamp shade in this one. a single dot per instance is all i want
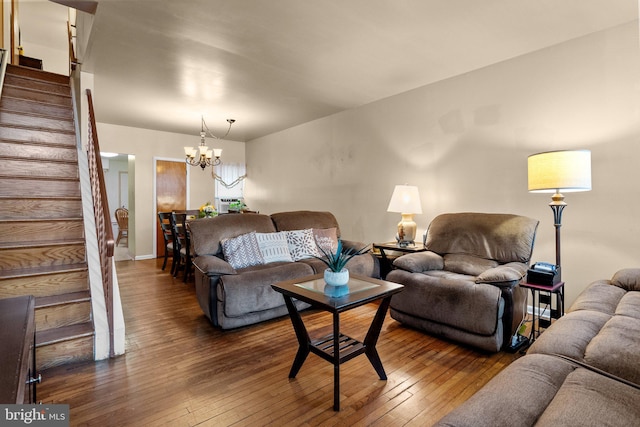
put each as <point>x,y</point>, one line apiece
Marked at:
<point>406,201</point>
<point>555,171</point>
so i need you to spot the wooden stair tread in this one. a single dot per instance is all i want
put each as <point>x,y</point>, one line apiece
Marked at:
<point>38,220</point>
<point>64,333</point>
<point>39,271</point>
<point>68,298</point>
<point>40,244</point>
<point>46,76</point>
<point>35,108</point>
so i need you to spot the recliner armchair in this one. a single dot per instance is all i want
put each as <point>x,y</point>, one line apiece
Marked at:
<point>465,287</point>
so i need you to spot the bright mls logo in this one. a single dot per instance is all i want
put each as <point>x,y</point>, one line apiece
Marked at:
<point>34,415</point>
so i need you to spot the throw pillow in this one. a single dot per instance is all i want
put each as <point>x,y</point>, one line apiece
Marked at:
<point>274,247</point>
<point>301,244</point>
<point>242,251</point>
<point>326,238</point>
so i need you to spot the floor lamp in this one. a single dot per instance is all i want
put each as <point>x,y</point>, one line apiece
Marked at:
<point>556,171</point>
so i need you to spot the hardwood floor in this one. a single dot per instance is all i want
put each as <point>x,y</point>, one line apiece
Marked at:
<point>179,370</point>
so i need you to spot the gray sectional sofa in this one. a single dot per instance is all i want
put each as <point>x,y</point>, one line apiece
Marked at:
<point>584,370</point>
<point>231,297</point>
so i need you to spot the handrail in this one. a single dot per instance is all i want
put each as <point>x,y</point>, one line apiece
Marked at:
<point>103,220</point>
<point>73,61</point>
<point>3,67</point>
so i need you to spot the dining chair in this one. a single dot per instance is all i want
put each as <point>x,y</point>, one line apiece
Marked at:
<point>183,241</point>
<point>122,218</point>
<point>166,226</point>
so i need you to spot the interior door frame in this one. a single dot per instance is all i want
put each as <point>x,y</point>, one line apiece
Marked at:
<point>155,205</point>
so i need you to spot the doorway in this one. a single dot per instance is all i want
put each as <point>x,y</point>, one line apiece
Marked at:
<point>171,193</point>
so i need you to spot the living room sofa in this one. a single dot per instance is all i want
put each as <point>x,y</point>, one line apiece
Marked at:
<point>465,287</point>
<point>584,370</point>
<point>232,297</point>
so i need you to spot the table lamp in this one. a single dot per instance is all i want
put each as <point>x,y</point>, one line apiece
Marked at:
<point>556,171</point>
<point>406,201</point>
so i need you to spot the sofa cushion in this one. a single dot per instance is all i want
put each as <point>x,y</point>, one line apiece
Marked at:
<point>467,264</point>
<point>274,247</point>
<point>326,239</point>
<point>242,251</point>
<point>453,299</point>
<point>301,244</point>
<point>207,233</point>
<point>501,237</point>
<point>601,330</point>
<point>250,291</point>
<point>300,220</point>
<point>545,390</point>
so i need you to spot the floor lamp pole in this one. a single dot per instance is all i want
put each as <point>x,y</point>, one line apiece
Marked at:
<point>557,206</point>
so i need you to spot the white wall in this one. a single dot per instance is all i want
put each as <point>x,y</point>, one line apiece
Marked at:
<point>147,145</point>
<point>465,141</point>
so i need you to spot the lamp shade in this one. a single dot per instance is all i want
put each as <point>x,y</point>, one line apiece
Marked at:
<point>565,171</point>
<point>405,199</point>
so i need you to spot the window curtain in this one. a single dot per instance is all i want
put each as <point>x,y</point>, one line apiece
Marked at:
<point>229,179</point>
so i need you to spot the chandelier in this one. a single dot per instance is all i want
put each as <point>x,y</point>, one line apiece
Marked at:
<point>201,155</point>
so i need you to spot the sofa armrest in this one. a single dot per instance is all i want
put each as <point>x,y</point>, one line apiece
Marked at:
<point>627,279</point>
<point>505,275</point>
<point>213,266</point>
<point>419,262</point>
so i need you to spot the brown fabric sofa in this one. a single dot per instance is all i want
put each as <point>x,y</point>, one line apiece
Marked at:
<point>466,286</point>
<point>584,370</point>
<point>231,297</point>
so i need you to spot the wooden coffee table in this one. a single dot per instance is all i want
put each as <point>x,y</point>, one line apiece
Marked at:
<point>337,348</point>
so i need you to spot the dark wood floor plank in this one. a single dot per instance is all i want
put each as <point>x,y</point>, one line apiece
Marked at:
<point>179,370</point>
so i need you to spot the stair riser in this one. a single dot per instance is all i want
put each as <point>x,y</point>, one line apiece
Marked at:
<point>38,152</point>
<point>41,231</point>
<point>62,315</point>
<point>45,285</point>
<point>30,188</point>
<point>37,136</point>
<point>37,74</point>
<point>38,108</point>
<point>40,85</point>
<point>30,95</point>
<point>39,209</point>
<point>35,122</point>
<point>17,258</point>
<point>26,168</point>
<point>62,353</point>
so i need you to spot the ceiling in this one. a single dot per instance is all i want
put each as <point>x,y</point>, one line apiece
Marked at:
<point>270,65</point>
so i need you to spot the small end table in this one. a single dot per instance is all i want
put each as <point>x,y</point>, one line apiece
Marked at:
<point>336,347</point>
<point>386,261</point>
<point>542,295</point>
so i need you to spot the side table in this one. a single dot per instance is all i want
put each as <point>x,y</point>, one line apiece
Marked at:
<point>336,347</point>
<point>543,297</point>
<point>386,260</point>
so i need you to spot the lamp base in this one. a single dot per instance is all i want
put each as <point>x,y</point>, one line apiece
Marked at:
<point>406,228</point>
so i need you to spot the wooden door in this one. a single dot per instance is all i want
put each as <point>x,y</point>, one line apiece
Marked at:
<point>171,193</point>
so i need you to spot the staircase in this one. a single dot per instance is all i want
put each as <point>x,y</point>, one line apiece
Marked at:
<point>42,245</point>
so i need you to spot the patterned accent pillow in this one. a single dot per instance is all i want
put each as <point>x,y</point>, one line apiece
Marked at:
<point>242,251</point>
<point>274,247</point>
<point>301,244</point>
<point>326,238</point>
